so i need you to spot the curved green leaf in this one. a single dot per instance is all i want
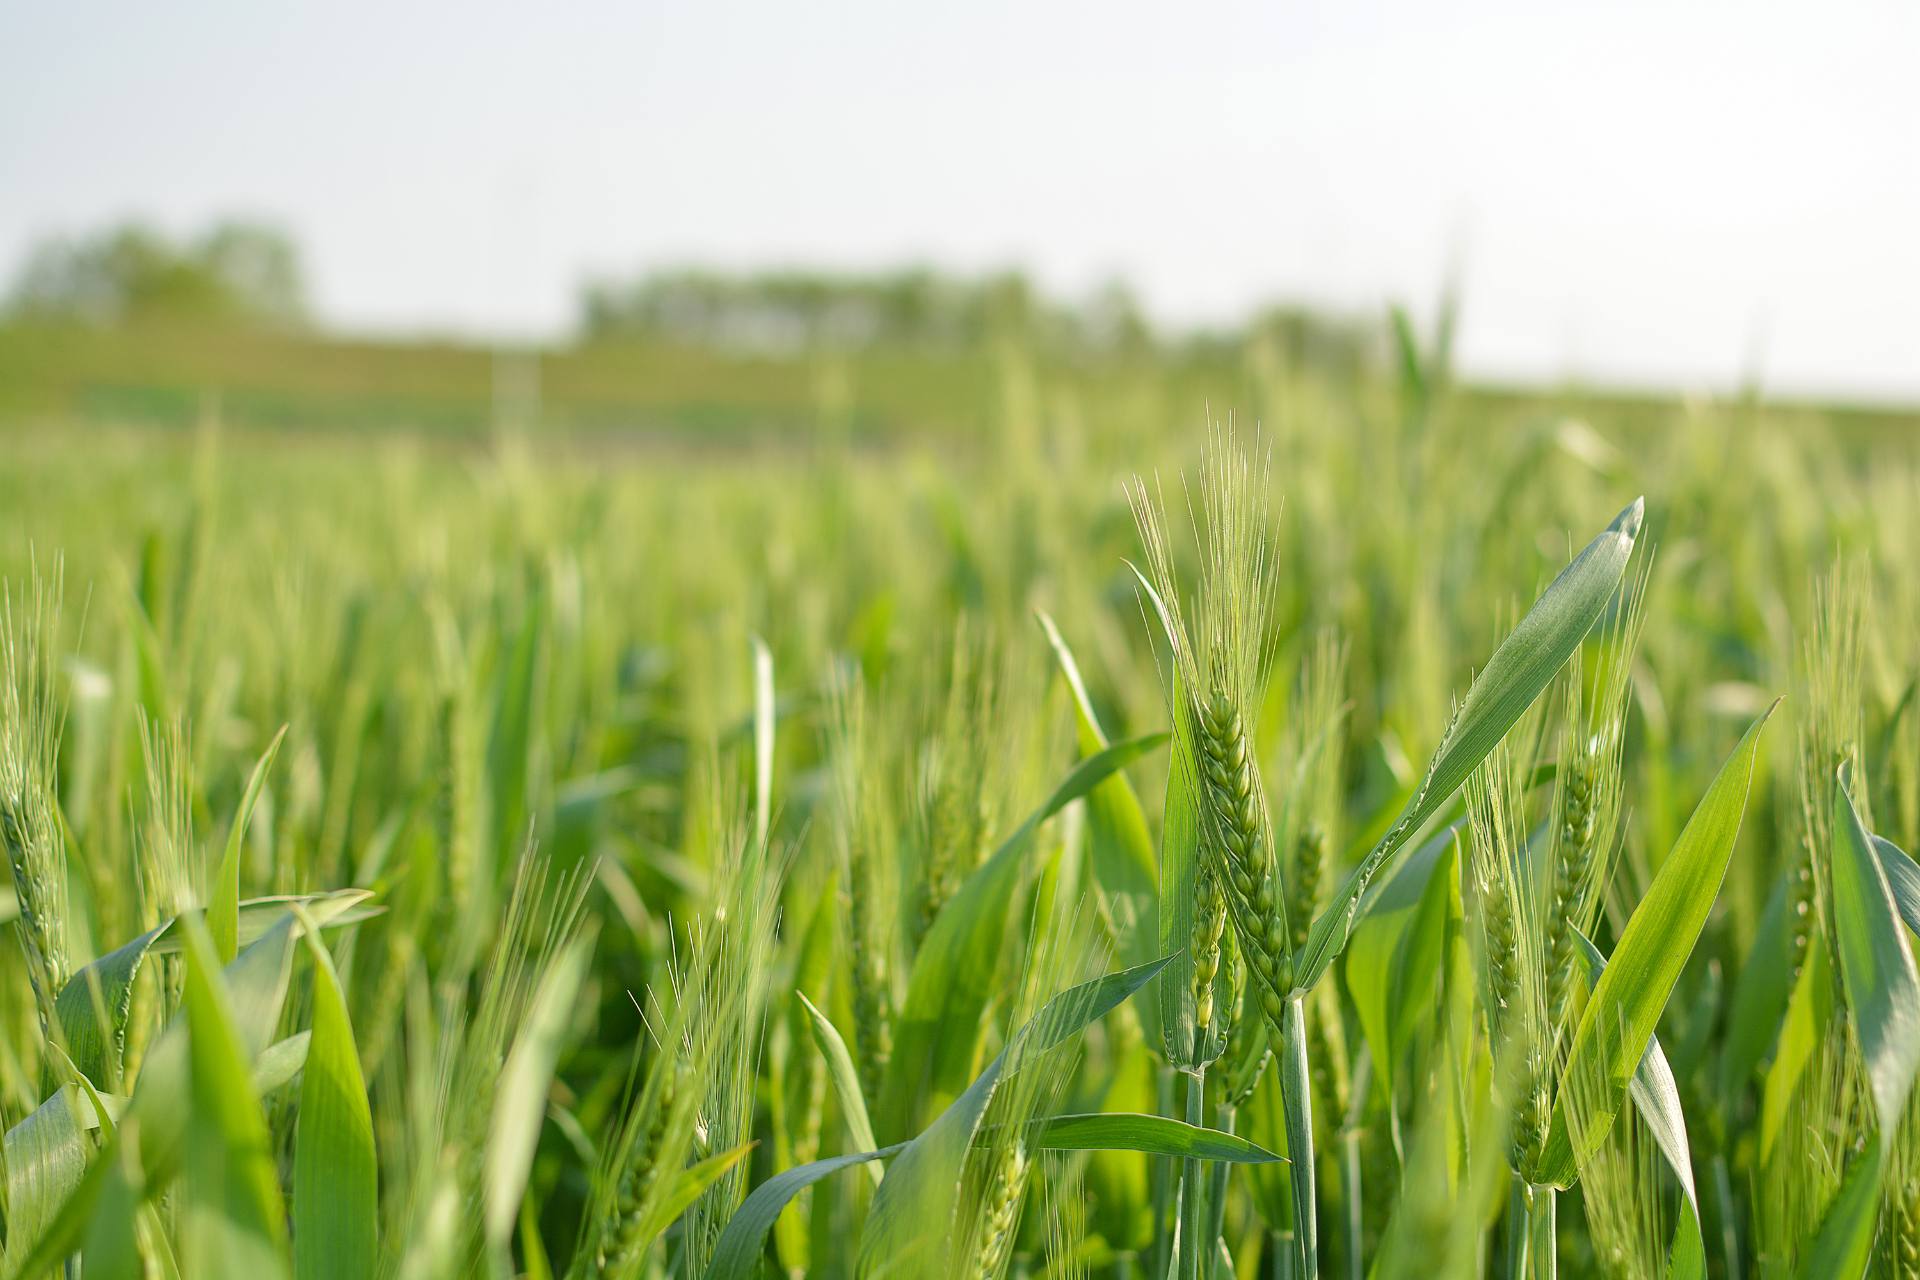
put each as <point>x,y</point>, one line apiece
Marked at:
<point>1760,996</point>
<point>521,1100</point>
<point>111,1250</point>
<point>155,1123</point>
<point>234,1222</point>
<point>1809,1019</point>
<point>916,1198</point>
<point>94,1005</point>
<point>1619,1019</point>
<point>223,911</point>
<point>334,909</point>
<point>1155,1135</point>
<point>1656,1097</point>
<point>1844,1243</point>
<point>1523,665</point>
<point>846,1080</point>
<point>689,1186</point>
<point>46,1156</point>
<point>737,1255</point>
<point>1883,1003</point>
<point>280,1062</point>
<point>335,1174</point>
<point>1903,880</point>
<point>1876,964</point>
<point>952,981</point>
<point>1395,951</point>
<point>1117,835</point>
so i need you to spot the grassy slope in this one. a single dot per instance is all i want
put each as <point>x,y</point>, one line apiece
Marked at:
<point>169,376</point>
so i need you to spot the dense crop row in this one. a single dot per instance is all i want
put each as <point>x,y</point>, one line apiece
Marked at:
<point>1346,848</point>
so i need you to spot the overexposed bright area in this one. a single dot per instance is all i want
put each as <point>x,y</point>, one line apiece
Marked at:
<point>1672,194</point>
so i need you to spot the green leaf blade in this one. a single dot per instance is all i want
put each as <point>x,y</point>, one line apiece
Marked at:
<point>1152,1134</point>
<point>1520,668</point>
<point>952,981</point>
<point>223,910</point>
<point>1876,964</point>
<point>235,1223</point>
<point>1619,1019</point>
<point>521,1101</point>
<point>845,1079</point>
<point>335,1172</point>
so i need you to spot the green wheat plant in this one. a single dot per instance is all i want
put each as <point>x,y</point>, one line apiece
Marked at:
<point>782,849</point>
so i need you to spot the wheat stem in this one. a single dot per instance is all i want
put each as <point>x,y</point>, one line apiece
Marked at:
<point>1296,1091</point>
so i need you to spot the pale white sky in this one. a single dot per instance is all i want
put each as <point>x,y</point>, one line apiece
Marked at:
<point>1649,192</point>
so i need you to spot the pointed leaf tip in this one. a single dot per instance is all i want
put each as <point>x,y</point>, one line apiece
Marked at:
<point>1628,521</point>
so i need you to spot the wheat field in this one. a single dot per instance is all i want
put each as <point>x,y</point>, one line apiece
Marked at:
<point>1352,831</point>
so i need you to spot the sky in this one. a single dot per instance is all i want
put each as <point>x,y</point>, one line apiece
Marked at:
<point>1672,194</point>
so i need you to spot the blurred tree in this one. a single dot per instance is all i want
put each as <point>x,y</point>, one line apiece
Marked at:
<point>788,311</point>
<point>237,273</point>
<point>1114,321</point>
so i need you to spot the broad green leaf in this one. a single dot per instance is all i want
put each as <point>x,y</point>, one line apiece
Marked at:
<point>234,1222</point>
<point>1524,664</point>
<point>102,1111</point>
<point>1760,997</point>
<point>1903,880</point>
<point>522,1097</point>
<point>62,1235</point>
<point>1656,1097</point>
<point>1155,1135</point>
<point>792,1113</point>
<point>1121,845</point>
<point>688,1187</point>
<point>46,1156</point>
<point>155,1123</point>
<point>1873,890</point>
<point>846,1080</point>
<point>1808,1021</point>
<point>1394,954</point>
<point>111,1250</point>
<point>1619,1019</point>
<point>1844,1242</point>
<point>335,1174</point>
<point>1876,964</point>
<point>280,1062</point>
<point>915,1201</point>
<point>255,990</point>
<point>1873,882</point>
<point>95,1003</point>
<point>952,982</point>
<point>223,912</point>
<point>1263,1118</point>
<point>332,910</point>
<point>737,1255</point>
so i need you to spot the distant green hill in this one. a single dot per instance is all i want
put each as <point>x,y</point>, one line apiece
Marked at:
<point>170,375</point>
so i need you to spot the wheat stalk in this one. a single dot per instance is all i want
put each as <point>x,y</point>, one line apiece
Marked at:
<point>30,830</point>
